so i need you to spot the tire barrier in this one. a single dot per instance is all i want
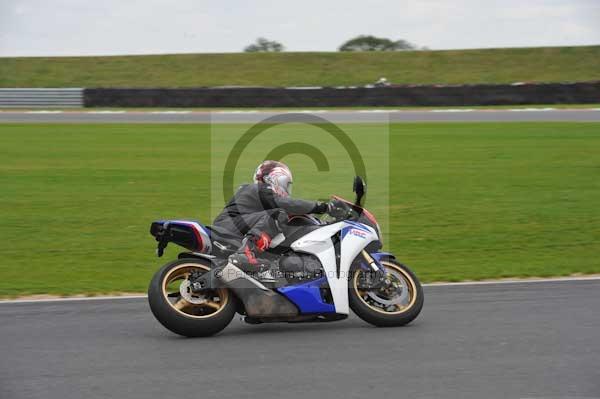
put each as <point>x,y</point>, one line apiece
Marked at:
<point>513,94</point>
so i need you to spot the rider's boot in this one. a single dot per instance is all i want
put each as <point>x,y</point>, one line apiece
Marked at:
<point>246,259</point>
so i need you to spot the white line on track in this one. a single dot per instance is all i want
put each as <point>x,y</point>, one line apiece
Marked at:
<point>531,109</point>
<point>74,299</point>
<point>105,112</point>
<point>237,112</point>
<point>305,111</point>
<point>453,110</point>
<point>524,281</point>
<point>458,284</point>
<point>44,112</point>
<point>170,112</point>
<point>445,110</point>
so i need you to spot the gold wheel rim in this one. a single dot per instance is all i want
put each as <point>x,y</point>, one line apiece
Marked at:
<point>214,304</point>
<point>412,288</point>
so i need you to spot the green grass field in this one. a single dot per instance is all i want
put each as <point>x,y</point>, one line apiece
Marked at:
<point>553,64</point>
<point>467,200</point>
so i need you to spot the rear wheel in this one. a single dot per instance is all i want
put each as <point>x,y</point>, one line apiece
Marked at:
<point>397,303</point>
<point>188,313</point>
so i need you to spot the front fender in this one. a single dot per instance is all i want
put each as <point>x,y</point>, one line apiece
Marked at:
<point>378,256</point>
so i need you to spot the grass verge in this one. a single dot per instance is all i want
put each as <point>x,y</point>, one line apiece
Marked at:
<point>550,64</point>
<point>468,200</point>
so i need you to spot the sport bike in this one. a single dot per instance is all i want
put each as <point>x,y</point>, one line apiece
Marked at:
<point>324,268</point>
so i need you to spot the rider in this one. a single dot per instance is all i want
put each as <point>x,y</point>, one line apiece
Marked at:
<point>259,211</point>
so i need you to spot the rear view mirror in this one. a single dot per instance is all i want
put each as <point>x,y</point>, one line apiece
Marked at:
<point>359,187</point>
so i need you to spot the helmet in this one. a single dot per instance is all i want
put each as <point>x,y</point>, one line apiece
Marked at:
<point>276,175</point>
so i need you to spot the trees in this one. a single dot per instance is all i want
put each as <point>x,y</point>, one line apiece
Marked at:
<point>263,45</point>
<point>372,43</point>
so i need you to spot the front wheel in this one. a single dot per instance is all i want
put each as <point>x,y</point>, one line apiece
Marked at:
<point>183,311</point>
<point>396,303</point>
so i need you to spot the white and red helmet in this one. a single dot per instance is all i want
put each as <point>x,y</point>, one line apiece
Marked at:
<point>275,174</point>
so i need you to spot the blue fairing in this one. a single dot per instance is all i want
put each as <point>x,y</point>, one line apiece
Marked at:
<point>307,297</point>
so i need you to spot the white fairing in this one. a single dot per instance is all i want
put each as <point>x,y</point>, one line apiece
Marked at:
<point>355,237</point>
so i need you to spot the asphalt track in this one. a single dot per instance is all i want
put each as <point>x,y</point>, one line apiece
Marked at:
<point>253,116</point>
<point>527,340</point>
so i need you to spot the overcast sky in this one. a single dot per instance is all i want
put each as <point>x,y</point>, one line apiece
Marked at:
<point>80,27</point>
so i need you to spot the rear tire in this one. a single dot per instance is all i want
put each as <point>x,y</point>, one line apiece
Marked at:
<point>184,317</point>
<point>382,317</point>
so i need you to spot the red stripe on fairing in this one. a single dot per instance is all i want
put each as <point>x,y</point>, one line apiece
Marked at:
<point>199,238</point>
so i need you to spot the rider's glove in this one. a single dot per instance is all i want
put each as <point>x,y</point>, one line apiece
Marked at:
<point>320,207</point>
<point>337,209</point>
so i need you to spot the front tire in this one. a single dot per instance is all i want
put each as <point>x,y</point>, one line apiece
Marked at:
<point>184,312</point>
<point>376,309</point>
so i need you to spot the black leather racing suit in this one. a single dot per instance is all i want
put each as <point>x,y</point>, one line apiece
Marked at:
<point>256,209</point>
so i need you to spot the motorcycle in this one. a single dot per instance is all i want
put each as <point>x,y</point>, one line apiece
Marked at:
<point>325,268</point>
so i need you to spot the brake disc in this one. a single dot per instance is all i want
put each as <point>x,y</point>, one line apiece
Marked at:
<point>397,299</point>
<point>185,290</point>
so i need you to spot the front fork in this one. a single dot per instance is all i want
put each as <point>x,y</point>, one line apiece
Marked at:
<point>375,275</point>
<point>374,265</point>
